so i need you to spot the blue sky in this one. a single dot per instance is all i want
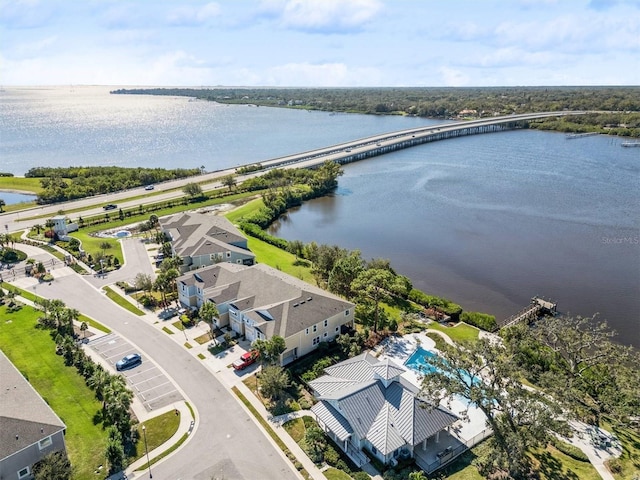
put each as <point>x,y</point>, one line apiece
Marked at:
<point>320,42</point>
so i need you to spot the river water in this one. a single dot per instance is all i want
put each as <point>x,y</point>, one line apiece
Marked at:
<point>487,221</point>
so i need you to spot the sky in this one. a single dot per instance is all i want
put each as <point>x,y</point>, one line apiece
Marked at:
<point>320,43</point>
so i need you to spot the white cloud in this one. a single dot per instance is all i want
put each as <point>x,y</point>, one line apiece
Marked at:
<point>192,16</point>
<point>452,77</point>
<point>321,75</point>
<point>323,16</point>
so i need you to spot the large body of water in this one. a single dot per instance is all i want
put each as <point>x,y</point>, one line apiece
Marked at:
<point>487,221</point>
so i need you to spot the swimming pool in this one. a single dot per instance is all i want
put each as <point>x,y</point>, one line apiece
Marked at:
<point>419,362</point>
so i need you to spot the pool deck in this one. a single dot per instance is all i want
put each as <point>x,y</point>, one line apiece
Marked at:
<point>399,349</point>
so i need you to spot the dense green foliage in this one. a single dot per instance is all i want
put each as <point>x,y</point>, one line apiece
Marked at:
<point>442,304</point>
<point>443,102</point>
<point>67,183</point>
<point>483,321</point>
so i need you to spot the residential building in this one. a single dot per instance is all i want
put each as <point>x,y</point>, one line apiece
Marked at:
<point>30,428</point>
<point>259,302</point>
<point>366,403</point>
<point>201,240</point>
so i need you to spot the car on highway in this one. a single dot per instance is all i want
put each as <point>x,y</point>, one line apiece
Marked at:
<point>110,206</point>
<point>129,361</point>
<point>149,187</point>
<point>246,359</point>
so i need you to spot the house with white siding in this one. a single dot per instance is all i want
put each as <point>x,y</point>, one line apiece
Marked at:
<point>201,240</point>
<point>366,403</point>
<point>259,302</point>
<point>30,428</point>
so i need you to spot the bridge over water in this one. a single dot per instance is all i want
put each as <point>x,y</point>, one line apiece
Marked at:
<point>389,142</point>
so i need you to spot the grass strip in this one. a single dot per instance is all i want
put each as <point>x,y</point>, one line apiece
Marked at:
<point>32,351</point>
<point>193,414</point>
<point>167,330</point>
<point>269,430</point>
<point>201,356</point>
<point>460,333</point>
<point>122,302</point>
<point>169,450</point>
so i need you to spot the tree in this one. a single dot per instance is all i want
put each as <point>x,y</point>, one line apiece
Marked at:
<point>485,374</point>
<point>143,282</point>
<point>228,181</point>
<point>575,359</point>
<point>83,328</point>
<point>2,205</point>
<point>114,453</point>
<point>373,286</point>
<point>192,190</point>
<point>314,443</point>
<point>54,466</point>
<point>345,270</point>
<point>273,381</point>
<point>208,313</point>
<point>270,350</point>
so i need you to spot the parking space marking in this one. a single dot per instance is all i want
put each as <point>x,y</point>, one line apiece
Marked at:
<point>157,386</point>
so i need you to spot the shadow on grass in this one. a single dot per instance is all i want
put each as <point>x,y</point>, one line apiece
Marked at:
<point>552,468</point>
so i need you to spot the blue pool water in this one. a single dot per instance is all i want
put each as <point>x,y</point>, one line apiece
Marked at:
<point>419,362</point>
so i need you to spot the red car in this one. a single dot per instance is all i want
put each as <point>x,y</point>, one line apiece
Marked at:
<point>246,359</point>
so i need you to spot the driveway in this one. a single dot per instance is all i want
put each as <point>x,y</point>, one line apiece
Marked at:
<point>226,443</point>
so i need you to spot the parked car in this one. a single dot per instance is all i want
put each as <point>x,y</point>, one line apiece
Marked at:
<point>110,206</point>
<point>129,361</point>
<point>246,359</point>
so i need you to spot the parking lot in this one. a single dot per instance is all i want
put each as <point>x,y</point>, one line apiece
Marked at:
<point>151,386</point>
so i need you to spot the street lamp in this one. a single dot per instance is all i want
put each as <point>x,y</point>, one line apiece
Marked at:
<point>144,434</point>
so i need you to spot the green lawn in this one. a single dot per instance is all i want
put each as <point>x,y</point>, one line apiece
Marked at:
<point>335,474</point>
<point>93,245</point>
<point>237,213</point>
<point>295,428</point>
<point>123,302</point>
<point>30,296</point>
<point>33,352</point>
<point>21,183</point>
<point>629,461</point>
<point>461,332</point>
<point>279,259</point>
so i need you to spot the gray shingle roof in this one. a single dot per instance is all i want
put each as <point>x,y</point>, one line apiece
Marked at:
<point>189,231</point>
<point>292,304</point>
<point>389,417</point>
<point>24,415</point>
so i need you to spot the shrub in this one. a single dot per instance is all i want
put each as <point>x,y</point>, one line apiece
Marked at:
<point>331,456</point>
<point>360,476</point>
<point>569,450</point>
<point>483,321</point>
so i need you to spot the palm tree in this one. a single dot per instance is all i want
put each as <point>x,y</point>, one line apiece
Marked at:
<point>99,381</point>
<point>208,313</point>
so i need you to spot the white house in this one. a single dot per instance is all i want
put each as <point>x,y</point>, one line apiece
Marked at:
<point>365,403</point>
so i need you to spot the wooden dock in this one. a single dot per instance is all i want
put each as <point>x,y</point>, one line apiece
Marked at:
<point>538,307</point>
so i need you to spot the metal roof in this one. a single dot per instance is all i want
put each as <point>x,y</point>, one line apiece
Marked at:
<point>333,420</point>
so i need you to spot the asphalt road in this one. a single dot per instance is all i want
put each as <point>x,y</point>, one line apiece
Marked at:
<point>226,443</point>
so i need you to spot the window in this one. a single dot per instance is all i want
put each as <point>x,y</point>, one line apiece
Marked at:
<point>346,313</point>
<point>326,323</point>
<point>337,329</point>
<point>315,328</point>
<point>228,254</point>
<point>44,443</point>
<point>325,334</point>
<point>24,473</point>
<point>306,331</point>
<point>316,340</point>
<point>373,450</point>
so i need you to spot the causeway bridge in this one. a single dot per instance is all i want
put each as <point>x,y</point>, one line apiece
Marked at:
<point>389,142</point>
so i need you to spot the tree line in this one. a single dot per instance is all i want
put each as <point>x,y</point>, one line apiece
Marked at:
<point>439,102</point>
<point>67,183</point>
